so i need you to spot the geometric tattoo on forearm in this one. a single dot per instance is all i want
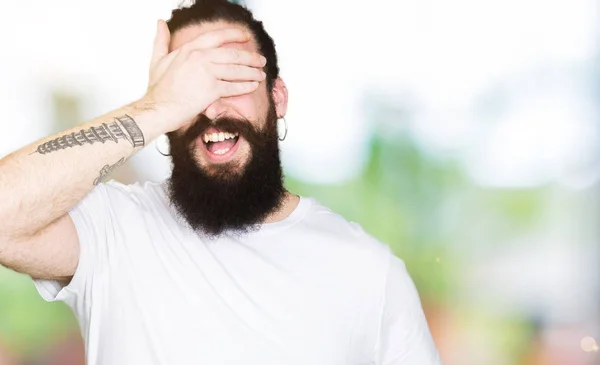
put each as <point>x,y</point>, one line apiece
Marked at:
<point>107,169</point>
<point>123,128</point>
<point>136,137</point>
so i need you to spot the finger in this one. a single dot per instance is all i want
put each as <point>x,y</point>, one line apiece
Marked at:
<point>161,66</point>
<point>238,73</point>
<point>217,38</point>
<point>237,56</point>
<point>161,42</point>
<point>166,60</point>
<point>228,89</point>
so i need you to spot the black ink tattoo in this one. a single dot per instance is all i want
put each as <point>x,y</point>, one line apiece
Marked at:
<point>135,133</point>
<point>107,169</point>
<point>123,128</point>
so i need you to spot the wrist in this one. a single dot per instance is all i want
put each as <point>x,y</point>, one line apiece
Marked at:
<point>150,117</point>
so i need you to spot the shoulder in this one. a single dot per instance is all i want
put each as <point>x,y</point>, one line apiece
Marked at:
<point>136,193</point>
<point>324,221</point>
<point>347,240</point>
<point>347,257</point>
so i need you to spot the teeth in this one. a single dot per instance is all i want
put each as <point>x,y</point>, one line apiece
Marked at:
<point>218,137</point>
<point>222,151</point>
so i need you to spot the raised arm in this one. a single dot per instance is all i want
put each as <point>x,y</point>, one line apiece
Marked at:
<point>41,182</point>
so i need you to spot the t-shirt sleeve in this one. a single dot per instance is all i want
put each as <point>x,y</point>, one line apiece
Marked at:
<point>404,337</point>
<point>92,219</point>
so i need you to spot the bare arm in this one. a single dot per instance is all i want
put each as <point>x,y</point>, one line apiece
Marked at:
<point>40,183</point>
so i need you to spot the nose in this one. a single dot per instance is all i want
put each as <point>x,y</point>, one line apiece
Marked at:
<point>217,108</point>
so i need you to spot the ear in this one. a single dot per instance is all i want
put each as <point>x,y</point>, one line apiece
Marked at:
<point>280,97</point>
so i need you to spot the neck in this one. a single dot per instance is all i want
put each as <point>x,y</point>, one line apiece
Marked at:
<point>289,203</point>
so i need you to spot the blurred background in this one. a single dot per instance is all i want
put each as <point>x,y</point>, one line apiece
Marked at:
<point>463,133</point>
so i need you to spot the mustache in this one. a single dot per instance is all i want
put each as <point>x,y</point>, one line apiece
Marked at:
<point>242,126</point>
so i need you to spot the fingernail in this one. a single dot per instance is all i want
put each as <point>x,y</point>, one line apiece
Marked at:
<point>263,59</point>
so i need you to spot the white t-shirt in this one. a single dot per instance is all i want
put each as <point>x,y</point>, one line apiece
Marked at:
<point>310,289</point>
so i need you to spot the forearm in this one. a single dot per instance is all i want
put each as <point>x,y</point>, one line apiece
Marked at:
<point>41,182</point>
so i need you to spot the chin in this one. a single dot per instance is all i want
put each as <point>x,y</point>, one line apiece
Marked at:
<point>231,168</point>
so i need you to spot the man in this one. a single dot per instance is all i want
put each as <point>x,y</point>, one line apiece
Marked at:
<point>219,264</point>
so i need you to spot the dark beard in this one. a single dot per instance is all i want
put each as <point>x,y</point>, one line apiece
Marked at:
<point>227,197</point>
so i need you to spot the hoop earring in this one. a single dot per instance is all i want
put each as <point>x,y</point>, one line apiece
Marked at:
<point>286,129</point>
<point>156,143</point>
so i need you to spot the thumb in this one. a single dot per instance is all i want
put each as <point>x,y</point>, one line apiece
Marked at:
<point>161,42</point>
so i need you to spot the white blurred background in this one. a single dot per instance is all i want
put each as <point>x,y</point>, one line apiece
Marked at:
<point>463,133</point>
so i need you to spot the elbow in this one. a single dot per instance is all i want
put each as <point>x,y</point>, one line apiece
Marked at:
<point>8,241</point>
<point>4,244</point>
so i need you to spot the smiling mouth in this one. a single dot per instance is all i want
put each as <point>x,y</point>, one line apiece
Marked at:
<point>219,143</point>
<point>220,146</point>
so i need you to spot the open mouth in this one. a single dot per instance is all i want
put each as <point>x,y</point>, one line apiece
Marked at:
<point>220,145</point>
